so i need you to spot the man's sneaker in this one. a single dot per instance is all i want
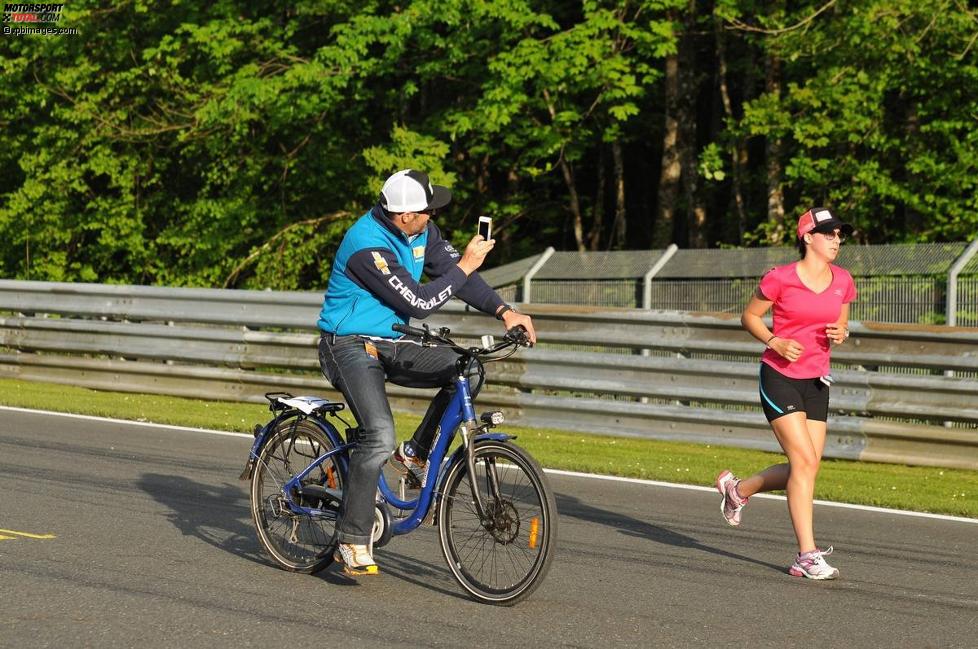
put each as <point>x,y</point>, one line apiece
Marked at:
<point>812,565</point>
<point>732,502</point>
<point>405,460</point>
<point>356,559</point>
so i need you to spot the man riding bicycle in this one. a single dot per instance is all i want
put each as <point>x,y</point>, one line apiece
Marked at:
<point>375,284</point>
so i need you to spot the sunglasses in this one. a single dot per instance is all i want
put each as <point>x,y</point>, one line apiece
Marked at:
<point>832,236</point>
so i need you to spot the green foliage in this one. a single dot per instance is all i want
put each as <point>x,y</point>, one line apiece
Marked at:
<point>879,114</point>
<point>408,150</point>
<point>230,143</point>
<point>711,163</point>
<point>170,146</point>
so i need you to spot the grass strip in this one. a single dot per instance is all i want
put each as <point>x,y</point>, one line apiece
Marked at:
<point>926,489</point>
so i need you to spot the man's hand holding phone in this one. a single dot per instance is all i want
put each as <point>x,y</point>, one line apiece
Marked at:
<point>485,227</point>
<point>477,249</point>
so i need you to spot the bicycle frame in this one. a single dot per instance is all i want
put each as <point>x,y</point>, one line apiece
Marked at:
<point>459,416</point>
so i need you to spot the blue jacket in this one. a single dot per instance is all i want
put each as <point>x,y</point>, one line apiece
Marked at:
<point>375,279</point>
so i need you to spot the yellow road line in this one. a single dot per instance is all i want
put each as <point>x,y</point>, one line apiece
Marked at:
<point>25,534</point>
<point>5,538</point>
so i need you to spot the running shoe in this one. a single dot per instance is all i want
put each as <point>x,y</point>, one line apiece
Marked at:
<point>731,503</point>
<point>406,461</point>
<point>813,565</point>
<point>356,559</point>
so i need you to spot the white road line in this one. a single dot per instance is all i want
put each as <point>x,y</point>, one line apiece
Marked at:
<point>573,474</point>
<point>129,422</point>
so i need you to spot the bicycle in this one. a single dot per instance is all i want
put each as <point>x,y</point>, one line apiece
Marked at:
<point>497,531</point>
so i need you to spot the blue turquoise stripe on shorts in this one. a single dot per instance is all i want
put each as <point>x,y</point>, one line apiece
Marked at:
<point>760,380</point>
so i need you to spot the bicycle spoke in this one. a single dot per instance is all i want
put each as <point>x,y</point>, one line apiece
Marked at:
<point>295,541</point>
<point>498,559</point>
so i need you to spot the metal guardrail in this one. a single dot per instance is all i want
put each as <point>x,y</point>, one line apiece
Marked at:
<point>664,375</point>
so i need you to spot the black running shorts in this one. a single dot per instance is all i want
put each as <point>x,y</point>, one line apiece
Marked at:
<point>782,395</point>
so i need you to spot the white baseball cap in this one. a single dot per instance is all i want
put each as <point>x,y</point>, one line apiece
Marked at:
<point>411,191</point>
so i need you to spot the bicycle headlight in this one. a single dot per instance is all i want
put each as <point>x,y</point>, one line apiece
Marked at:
<point>493,418</point>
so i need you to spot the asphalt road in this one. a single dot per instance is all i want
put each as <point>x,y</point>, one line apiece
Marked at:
<point>153,547</point>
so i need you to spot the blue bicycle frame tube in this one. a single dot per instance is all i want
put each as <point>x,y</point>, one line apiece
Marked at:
<point>458,411</point>
<point>462,388</point>
<point>296,482</point>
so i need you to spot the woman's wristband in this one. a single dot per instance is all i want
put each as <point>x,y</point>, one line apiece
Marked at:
<point>768,343</point>
<point>502,311</point>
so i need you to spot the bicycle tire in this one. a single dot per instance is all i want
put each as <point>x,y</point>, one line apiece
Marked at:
<point>296,543</point>
<point>504,564</point>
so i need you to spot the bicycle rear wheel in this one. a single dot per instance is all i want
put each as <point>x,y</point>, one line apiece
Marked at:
<point>504,560</point>
<point>296,542</point>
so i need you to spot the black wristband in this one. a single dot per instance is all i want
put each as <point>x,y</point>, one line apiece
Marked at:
<point>499,314</point>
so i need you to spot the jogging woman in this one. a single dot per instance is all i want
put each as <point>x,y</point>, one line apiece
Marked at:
<point>811,312</point>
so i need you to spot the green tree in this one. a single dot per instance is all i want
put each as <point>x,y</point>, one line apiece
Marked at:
<point>878,114</point>
<point>231,143</point>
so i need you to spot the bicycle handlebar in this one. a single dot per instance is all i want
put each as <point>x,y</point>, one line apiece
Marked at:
<point>406,329</point>
<point>519,335</point>
<point>515,337</point>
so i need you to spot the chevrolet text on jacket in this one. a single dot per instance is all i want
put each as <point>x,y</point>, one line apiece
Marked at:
<point>375,280</point>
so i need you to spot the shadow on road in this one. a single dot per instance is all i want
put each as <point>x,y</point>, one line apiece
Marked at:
<point>574,508</point>
<point>217,515</point>
<point>417,572</point>
<point>221,517</point>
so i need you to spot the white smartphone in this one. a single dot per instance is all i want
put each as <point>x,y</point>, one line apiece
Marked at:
<point>485,227</point>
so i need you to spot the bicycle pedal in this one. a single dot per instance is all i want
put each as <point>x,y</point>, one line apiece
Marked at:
<point>411,481</point>
<point>410,478</point>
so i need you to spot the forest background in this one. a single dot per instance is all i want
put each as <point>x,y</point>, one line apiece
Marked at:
<point>231,143</point>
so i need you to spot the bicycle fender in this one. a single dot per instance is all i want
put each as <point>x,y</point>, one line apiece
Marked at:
<point>496,437</point>
<point>262,433</point>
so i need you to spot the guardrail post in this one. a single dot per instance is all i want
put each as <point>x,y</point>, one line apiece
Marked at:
<point>647,279</point>
<point>952,282</point>
<point>647,290</point>
<point>528,278</point>
<point>951,315</point>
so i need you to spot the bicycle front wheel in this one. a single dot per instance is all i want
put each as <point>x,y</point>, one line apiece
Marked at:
<point>503,559</point>
<point>296,542</point>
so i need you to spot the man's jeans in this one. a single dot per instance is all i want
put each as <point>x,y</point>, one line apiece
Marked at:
<point>358,367</point>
